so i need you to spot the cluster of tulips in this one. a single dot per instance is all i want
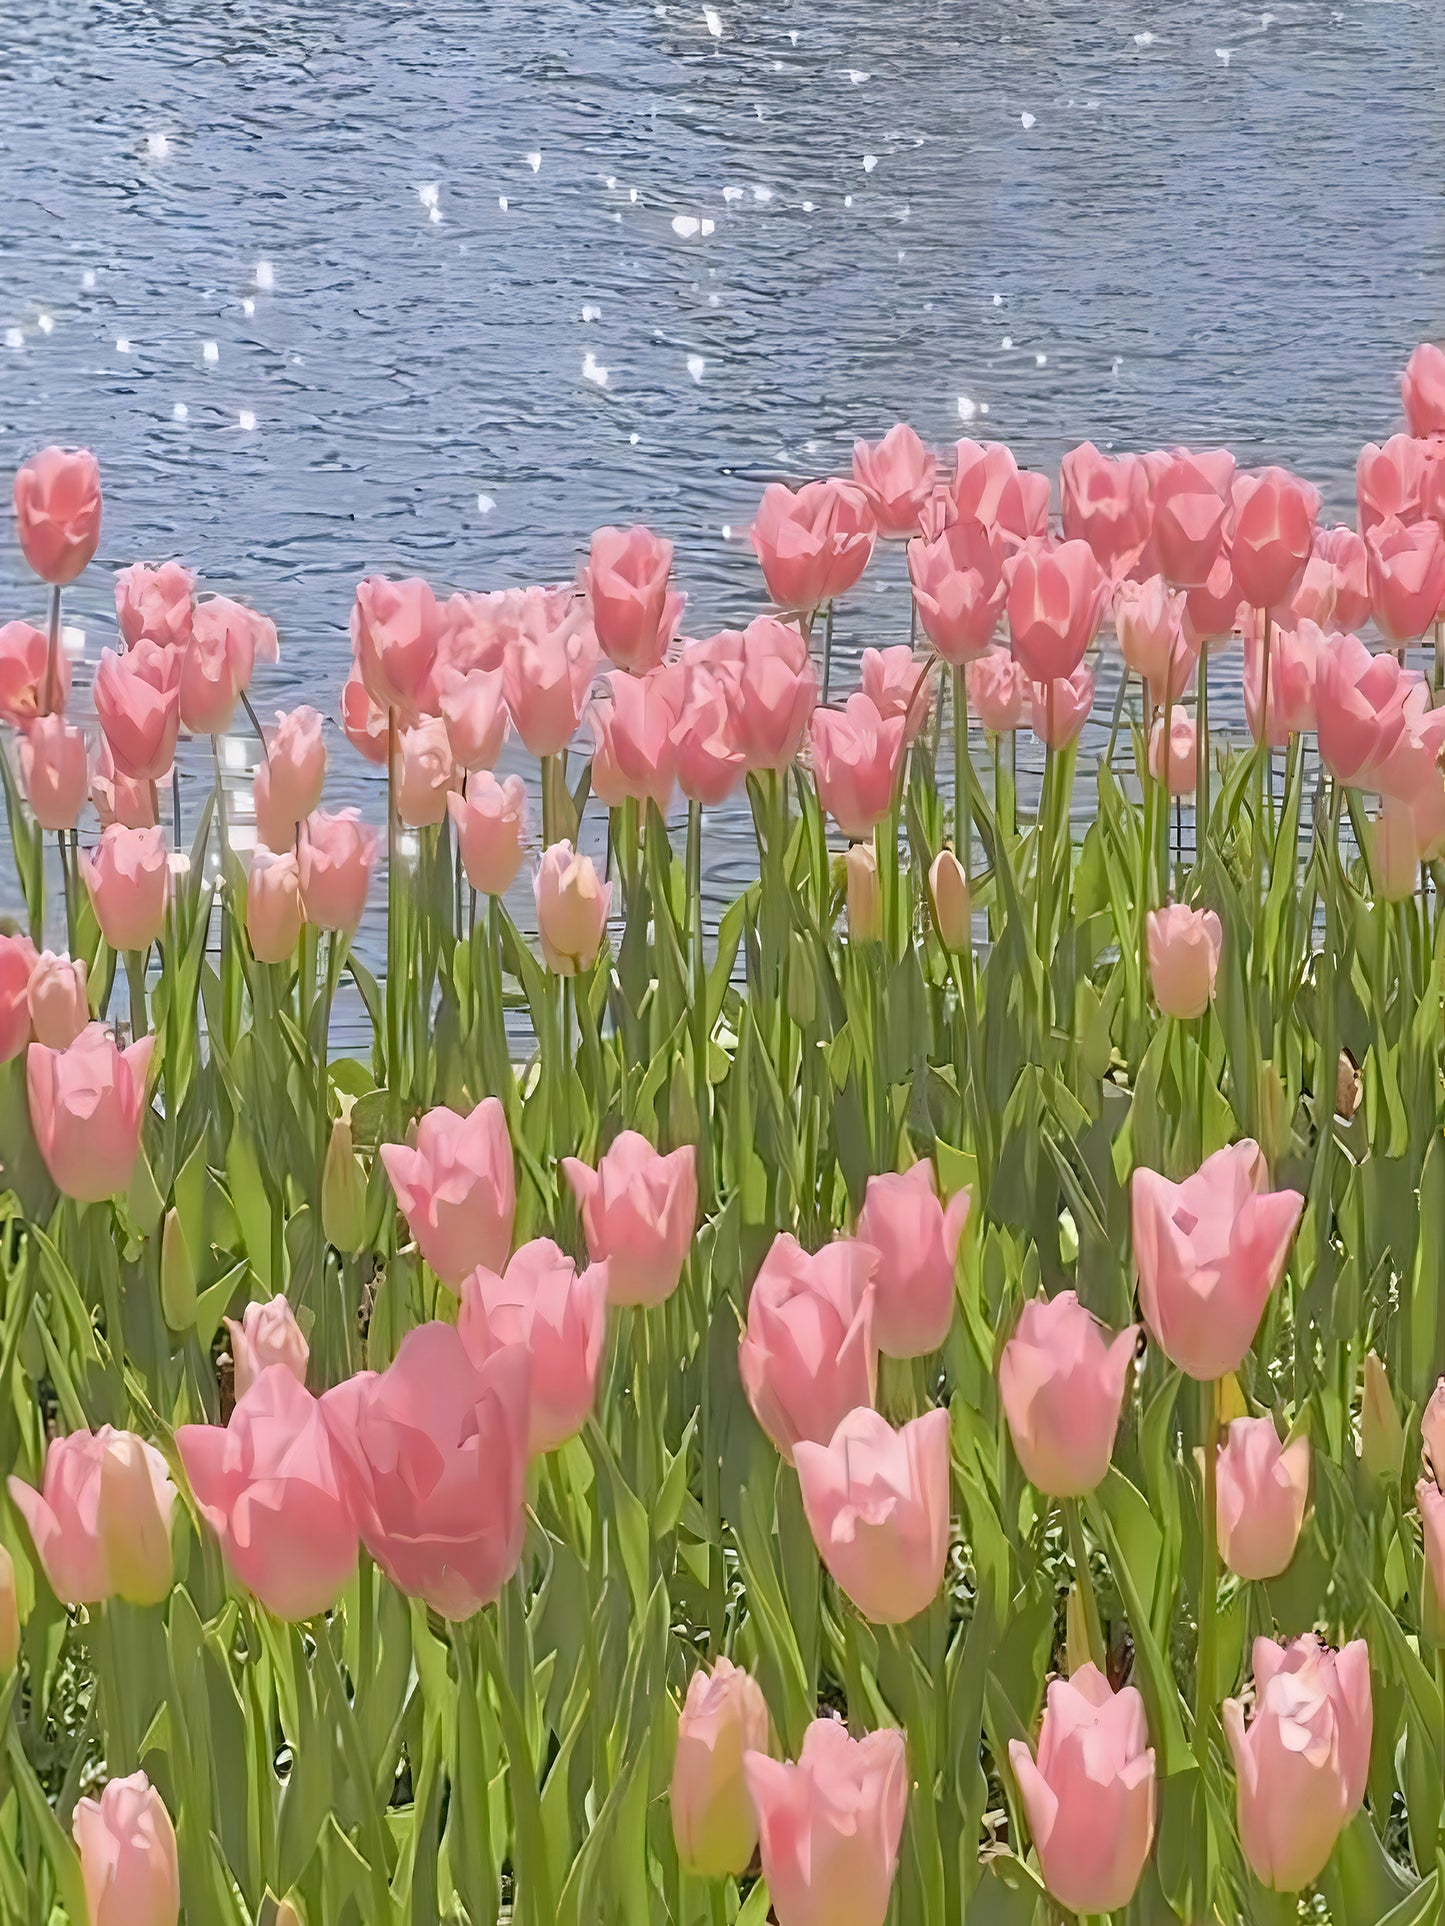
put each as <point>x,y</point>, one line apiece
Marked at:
<point>918,1404</point>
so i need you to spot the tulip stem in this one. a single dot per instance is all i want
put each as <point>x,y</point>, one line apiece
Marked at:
<point>827,649</point>
<point>962,776</point>
<point>135,972</point>
<point>52,655</point>
<point>1205,1684</point>
<point>1201,780</point>
<point>1439,672</point>
<point>1084,1579</point>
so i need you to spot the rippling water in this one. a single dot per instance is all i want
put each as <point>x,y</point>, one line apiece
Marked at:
<point>437,289</point>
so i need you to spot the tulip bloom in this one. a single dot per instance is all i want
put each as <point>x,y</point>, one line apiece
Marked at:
<point>1335,590</point>
<point>138,703</point>
<point>87,1103</point>
<point>1389,481</point>
<point>877,1504</point>
<point>128,879</point>
<point>1181,771</point>
<point>830,1826</point>
<point>897,477</point>
<point>1363,703</point>
<point>723,1716</point>
<point>101,1522</point>
<point>896,683</point>
<point>1059,710</point>
<point>1056,597</point>
<point>475,713</point>
<point>634,758</point>
<point>25,674</point>
<point>226,639</point>
<point>1062,1380</point>
<point>1274,527</point>
<point>273,905</point>
<point>1262,1488</point>
<point>269,1484</point>
<point>1210,1251</point>
<point>363,721</point>
<point>433,1451</point>
<point>337,857</point>
<point>1289,708</point>
<point>457,1189</point>
<point>959,588</point>
<point>1407,577</point>
<point>856,755</point>
<point>155,605</point>
<point>118,798</point>
<point>917,1239</point>
<point>1192,511</point>
<point>425,775</point>
<point>634,611</point>
<point>808,1356</point>
<point>862,896</point>
<point>710,760</point>
<point>290,780</point>
<point>997,691</point>
<point>639,1213</point>
<point>267,1334</point>
<point>396,631</point>
<point>55,769</point>
<point>57,512</point>
<point>1107,504</point>
<point>59,1005</point>
<point>572,903</point>
<point>1302,1762</point>
<point>814,544</point>
<point>776,692</point>
<point>990,487</point>
<point>1422,388</point>
<point>558,1316</point>
<point>952,909</point>
<point>17,964</point>
<point>490,819</point>
<point>546,673</point>
<point>1183,948</point>
<point>1090,1798</point>
<point>1213,608</point>
<point>1395,852</point>
<point>127,1848</point>
<point>1149,624</point>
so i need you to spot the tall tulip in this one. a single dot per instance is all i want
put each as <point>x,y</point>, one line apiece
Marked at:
<point>425,774</point>
<point>634,757</point>
<point>128,880</point>
<point>546,673</point>
<point>1149,624</point>
<point>572,904</point>
<point>1274,527</point>
<point>397,629</point>
<point>634,611</point>
<point>337,856</point>
<point>1062,1379</point>
<point>490,819</point>
<point>274,914</point>
<point>639,1214</point>
<point>813,545</point>
<point>559,1317</point>
<point>474,710</point>
<point>1108,504</point>
<point>87,1103</point>
<point>1287,707</point>
<point>830,1826</point>
<point>55,769</point>
<point>138,702</point>
<point>57,512</point>
<point>1182,947</point>
<point>1056,598</point>
<point>457,1189</point>
<point>290,780</point>
<point>156,605</point>
<point>226,639</point>
<point>808,1355</point>
<point>705,739</point>
<point>917,1238</point>
<point>1262,1489</point>
<point>877,1504</point>
<point>856,754</point>
<point>959,587</point>
<point>1192,514</point>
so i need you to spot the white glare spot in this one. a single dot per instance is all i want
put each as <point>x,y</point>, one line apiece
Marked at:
<point>727,531</point>
<point>87,280</point>
<point>435,217</point>
<point>485,504</point>
<point>632,195</point>
<point>708,227</point>
<point>534,161</point>
<point>179,862</point>
<point>210,353</point>
<point>265,276</point>
<point>180,411</point>
<point>46,323</point>
<point>408,845</point>
<point>1007,341</point>
<point>592,369</point>
<point>590,313</point>
<point>1028,120</point>
<point>246,421</point>
<point>248,307</point>
<point>998,300</point>
<point>847,200</point>
<point>634,438</point>
<point>429,193</point>
<point>502,202</point>
<point>157,146</point>
<point>762,194</point>
<point>1041,360</point>
<point>14,337</point>
<point>122,346</point>
<point>1224,53</point>
<point>695,366</point>
<point>714,22</point>
<point>609,181</point>
<point>731,194</point>
<point>233,752</point>
<point>966,409</point>
<point>1266,20</point>
<point>807,207</point>
<point>983,407</point>
<point>1145,39</point>
<point>870,161</point>
<point>685,226</point>
<point>73,643</point>
<point>857,76</point>
<point>793,35</point>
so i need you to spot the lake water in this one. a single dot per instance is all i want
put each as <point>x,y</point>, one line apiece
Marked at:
<point>438,289</point>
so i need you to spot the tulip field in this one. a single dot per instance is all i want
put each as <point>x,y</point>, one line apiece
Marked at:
<point>915,1403</point>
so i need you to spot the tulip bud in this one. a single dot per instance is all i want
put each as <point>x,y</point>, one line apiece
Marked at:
<point>9,1615</point>
<point>178,1276</point>
<point>802,982</point>
<point>1274,1132</point>
<point>865,901</point>
<point>725,1715</point>
<point>343,1192</point>
<point>952,911</point>
<point>1382,1436</point>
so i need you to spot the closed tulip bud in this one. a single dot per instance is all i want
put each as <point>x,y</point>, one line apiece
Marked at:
<point>960,586</point>
<point>101,1522</point>
<point>639,1213</point>
<point>343,1192</point>
<point>724,1716</point>
<point>998,689</point>
<point>865,899</point>
<point>1106,503</point>
<point>813,545</point>
<point>1274,528</point>
<point>127,877</point>
<point>634,758</point>
<point>273,904</point>
<point>572,903</point>
<point>1192,509</point>
<point>178,1276</point>
<point>1149,626</point>
<point>1090,1798</point>
<point>829,1827</point>
<point>1262,1492</point>
<point>1182,771</point>
<point>952,908</point>
<point>546,673</point>
<point>634,611</point>
<point>267,1334</point>
<point>1062,1380</point>
<point>426,773</point>
<point>59,1004</point>
<point>128,1863</point>
<point>55,768</point>
<point>9,1616</point>
<point>1183,947</point>
<point>877,1504</point>
<point>57,512</point>
<point>808,1356</point>
<point>475,713</point>
<point>1382,1436</point>
<point>710,761</point>
<point>397,629</point>
<point>897,475</point>
<point>856,754</point>
<point>226,640</point>
<point>1394,852</point>
<point>290,780</point>
<point>916,1236</point>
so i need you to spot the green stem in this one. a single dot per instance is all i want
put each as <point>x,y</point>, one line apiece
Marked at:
<point>1201,792</point>
<point>1206,1667</point>
<point>962,775</point>
<point>1083,1578</point>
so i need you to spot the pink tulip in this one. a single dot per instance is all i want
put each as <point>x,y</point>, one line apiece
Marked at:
<point>128,879</point>
<point>896,683</point>
<point>862,897</point>
<point>723,1717</point>
<point>425,773</point>
<point>1062,1380</point>
<point>138,702</point>
<point>856,757</point>
<point>546,674</point>
<point>337,856</point>
<point>475,713</point>
<point>1363,703</point>
<point>119,798</point>
<point>59,1005</point>
<point>273,904</point>
<point>457,1189</point>
<point>490,818</point>
<point>813,545</point>
<point>897,477</point>
<point>1294,657</point>
<point>639,1213</point>
<point>990,487</point>
<point>1274,527</point>
<point>397,629</point>
<point>25,673</point>
<point>558,1316</point>
<point>482,628</point>
<point>1407,578</point>
<point>17,964</point>
<point>1430,1502</point>
<point>1056,598</point>
<point>1302,1763</point>
<point>572,903</point>
<point>1107,504</point>
<point>290,780</point>
<point>127,1848</point>
<point>363,721</point>
<point>1389,480</point>
<point>155,604</point>
<point>1262,1491</point>
<point>997,691</point>
<point>1411,775</point>
<point>57,512</point>
<point>808,1356</point>
<point>1210,1251</point>
<point>917,1239</point>
<point>1192,510</point>
<point>959,587</point>
<point>952,908</point>
<point>877,1504</point>
<point>1149,623</point>
<point>1183,948</point>
<point>433,1451</point>
<point>226,640</point>
<point>634,611</point>
<point>1090,1799</point>
<point>55,769</point>
<point>776,693</point>
<point>1335,591</point>
<point>1423,389</point>
<point>1182,771</point>
<point>271,1485</point>
<point>710,760</point>
<point>1059,710</point>
<point>267,1334</point>
<point>634,758</point>
<point>87,1103</point>
<point>1213,608</point>
<point>830,1826</point>
<point>101,1522</point>
<point>939,512</point>
<point>1395,853</point>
